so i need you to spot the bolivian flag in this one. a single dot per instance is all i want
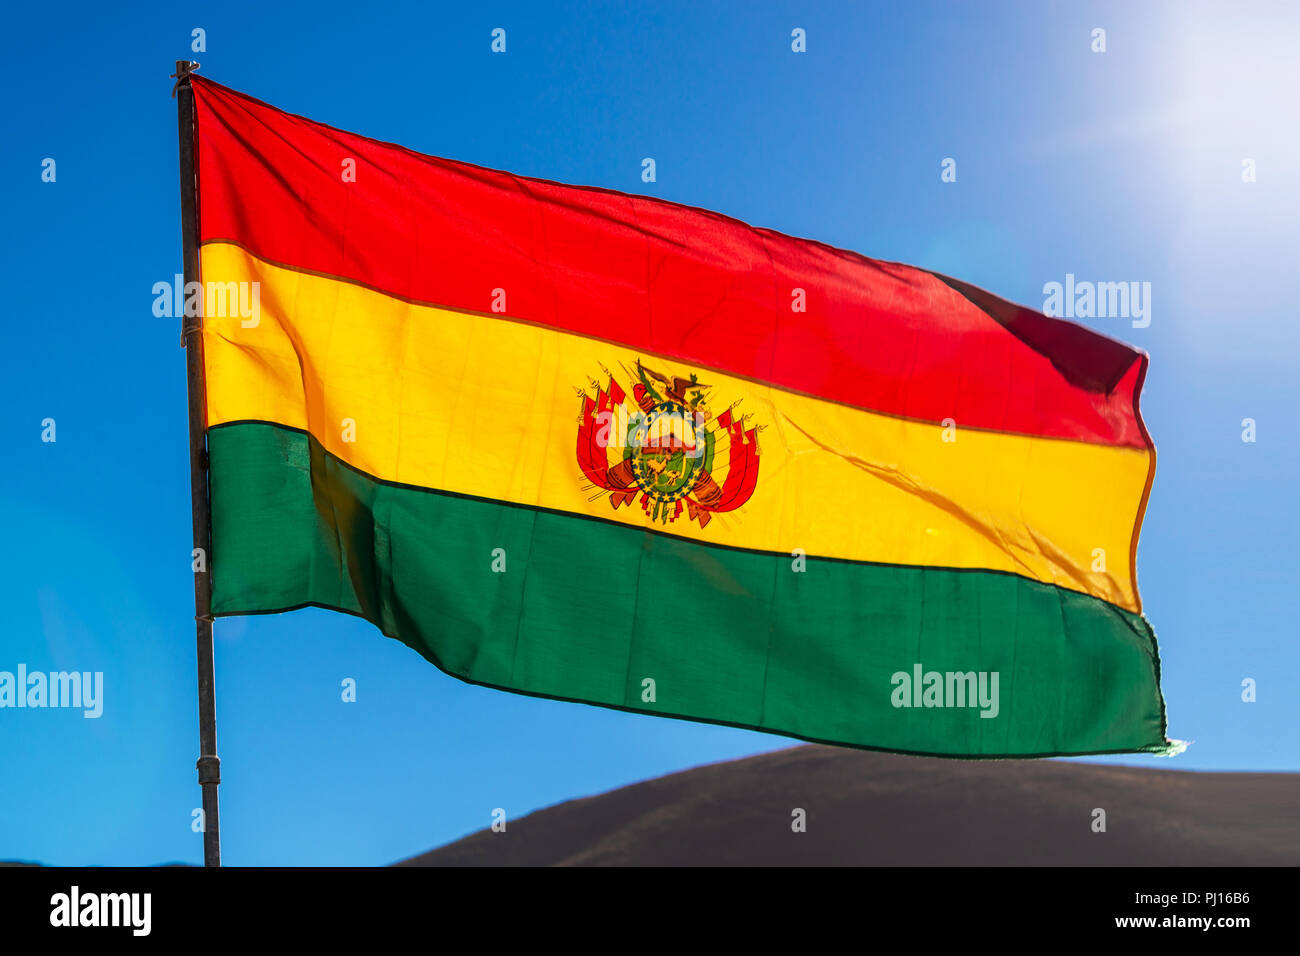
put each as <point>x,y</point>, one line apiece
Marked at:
<point>598,447</point>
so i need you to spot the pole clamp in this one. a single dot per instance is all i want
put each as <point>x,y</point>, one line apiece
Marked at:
<point>192,325</point>
<point>182,75</point>
<point>209,766</point>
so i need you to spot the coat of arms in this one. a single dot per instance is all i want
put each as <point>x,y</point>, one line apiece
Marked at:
<point>665,446</point>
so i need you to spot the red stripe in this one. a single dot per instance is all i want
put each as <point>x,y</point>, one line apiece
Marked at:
<point>672,280</point>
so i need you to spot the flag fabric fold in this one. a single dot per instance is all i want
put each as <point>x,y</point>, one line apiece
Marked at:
<point>598,447</point>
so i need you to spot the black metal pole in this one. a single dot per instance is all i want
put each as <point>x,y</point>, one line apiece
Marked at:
<point>209,766</point>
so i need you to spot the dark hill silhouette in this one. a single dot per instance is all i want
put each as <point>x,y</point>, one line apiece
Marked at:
<point>870,808</point>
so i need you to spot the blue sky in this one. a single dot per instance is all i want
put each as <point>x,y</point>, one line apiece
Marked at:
<point>1118,166</point>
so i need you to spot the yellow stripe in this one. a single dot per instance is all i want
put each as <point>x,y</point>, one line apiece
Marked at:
<point>490,407</point>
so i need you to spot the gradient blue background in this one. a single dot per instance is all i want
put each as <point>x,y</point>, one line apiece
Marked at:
<point>1119,166</point>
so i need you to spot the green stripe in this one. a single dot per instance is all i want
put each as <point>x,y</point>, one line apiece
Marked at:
<point>588,609</point>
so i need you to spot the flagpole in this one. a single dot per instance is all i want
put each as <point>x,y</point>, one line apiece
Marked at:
<point>209,766</point>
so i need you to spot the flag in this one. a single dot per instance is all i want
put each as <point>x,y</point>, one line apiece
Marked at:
<point>599,447</point>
